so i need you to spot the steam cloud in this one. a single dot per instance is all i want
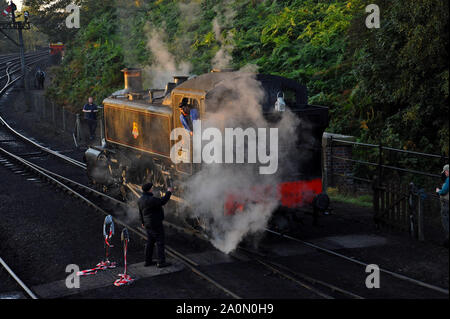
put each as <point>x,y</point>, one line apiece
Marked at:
<point>208,189</point>
<point>164,65</point>
<point>224,18</point>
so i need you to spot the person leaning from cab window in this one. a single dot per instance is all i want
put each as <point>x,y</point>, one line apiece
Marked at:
<point>443,196</point>
<point>90,114</point>
<point>188,115</point>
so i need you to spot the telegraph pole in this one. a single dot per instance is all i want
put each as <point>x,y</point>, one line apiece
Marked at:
<point>22,61</point>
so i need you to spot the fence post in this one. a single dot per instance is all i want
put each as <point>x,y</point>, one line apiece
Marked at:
<point>420,234</point>
<point>64,118</point>
<point>376,201</point>
<point>411,205</point>
<point>53,113</point>
<point>77,127</point>
<point>101,124</point>
<point>380,162</point>
<point>331,161</point>
<point>38,106</point>
<point>388,204</point>
<point>43,107</point>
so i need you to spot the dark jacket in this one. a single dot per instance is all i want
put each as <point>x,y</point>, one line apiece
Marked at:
<point>90,111</point>
<point>151,209</point>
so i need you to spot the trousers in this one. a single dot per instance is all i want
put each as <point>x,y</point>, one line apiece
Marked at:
<point>92,127</point>
<point>155,235</point>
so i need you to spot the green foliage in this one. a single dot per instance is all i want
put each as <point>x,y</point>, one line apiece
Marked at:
<point>402,75</point>
<point>90,66</point>
<point>387,85</point>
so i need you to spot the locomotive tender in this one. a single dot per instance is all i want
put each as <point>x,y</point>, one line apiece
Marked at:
<point>137,126</point>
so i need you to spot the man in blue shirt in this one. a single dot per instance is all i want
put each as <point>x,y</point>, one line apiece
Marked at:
<point>90,114</point>
<point>443,193</point>
<point>188,115</point>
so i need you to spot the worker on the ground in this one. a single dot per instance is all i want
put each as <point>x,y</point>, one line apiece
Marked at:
<point>90,114</point>
<point>188,115</point>
<point>40,78</point>
<point>152,215</point>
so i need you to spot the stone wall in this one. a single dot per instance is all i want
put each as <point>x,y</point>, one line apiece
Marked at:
<point>337,171</point>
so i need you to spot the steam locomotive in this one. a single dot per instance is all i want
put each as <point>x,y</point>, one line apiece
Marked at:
<point>137,126</point>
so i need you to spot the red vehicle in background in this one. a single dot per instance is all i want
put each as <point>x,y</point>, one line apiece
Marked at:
<point>56,48</point>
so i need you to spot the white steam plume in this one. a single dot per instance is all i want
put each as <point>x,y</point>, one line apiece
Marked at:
<point>164,65</point>
<point>224,19</point>
<point>207,190</point>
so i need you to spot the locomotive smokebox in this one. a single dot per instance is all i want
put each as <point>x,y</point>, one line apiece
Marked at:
<point>133,80</point>
<point>178,79</point>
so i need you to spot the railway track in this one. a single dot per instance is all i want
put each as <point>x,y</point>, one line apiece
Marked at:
<point>29,293</point>
<point>398,276</point>
<point>83,192</point>
<point>89,196</point>
<point>108,205</point>
<point>10,67</point>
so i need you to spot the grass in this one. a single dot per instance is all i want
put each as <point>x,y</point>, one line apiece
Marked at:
<point>361,200</point>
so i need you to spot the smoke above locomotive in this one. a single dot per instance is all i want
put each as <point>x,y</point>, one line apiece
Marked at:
<point>244,122</point>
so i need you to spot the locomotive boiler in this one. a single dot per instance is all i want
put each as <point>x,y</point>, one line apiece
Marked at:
<point>137,138</point>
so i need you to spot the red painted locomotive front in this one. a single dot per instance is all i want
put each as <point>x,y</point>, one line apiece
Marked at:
<point>292,194</point>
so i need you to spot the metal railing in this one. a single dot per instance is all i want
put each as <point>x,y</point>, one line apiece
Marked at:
<point>390,182</point>
<point>380,165</point>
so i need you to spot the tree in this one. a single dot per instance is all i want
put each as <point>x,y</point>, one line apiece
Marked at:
<point>402,73</point>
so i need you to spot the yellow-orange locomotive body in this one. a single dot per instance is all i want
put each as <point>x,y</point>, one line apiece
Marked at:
<point>138,126</point>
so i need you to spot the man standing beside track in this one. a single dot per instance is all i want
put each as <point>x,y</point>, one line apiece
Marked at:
<point>152,215</point>
<point>40,79</point>
<point>90,114</point>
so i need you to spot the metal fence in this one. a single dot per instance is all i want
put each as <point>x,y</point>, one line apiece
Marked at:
<point>62,119</point>
<point>402,183</point>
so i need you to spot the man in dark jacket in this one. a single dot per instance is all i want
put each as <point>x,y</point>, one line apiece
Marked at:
<point>152,215</point>
<point>90,114</point>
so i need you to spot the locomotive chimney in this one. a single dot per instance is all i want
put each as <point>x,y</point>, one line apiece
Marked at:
<point>133,80</point>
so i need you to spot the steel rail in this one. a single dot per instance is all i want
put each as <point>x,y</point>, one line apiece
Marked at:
<point>45,149</point>
<point>353,260</point>
<point>8,75</point>
<point>18,280</point>
<point>172,252</point>
<point>276,267</point>
<point>191,263</point>
<point>17,64</point>
<point>270,265</point>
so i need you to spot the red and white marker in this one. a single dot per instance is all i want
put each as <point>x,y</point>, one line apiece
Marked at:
<point>108,232</point>
<point>124,279</point>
